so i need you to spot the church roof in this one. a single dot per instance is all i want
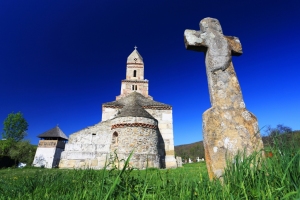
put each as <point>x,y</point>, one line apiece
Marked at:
<point>55,132</point>
<point>133,109</point>
<point>139,99</point>
<point>135,57</point>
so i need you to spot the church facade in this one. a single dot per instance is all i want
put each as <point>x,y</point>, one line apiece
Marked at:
<point>134,122</point>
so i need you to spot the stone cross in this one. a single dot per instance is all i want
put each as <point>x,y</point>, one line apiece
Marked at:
<point>227,126</point>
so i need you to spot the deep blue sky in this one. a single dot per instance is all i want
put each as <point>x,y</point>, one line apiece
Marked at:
<point>60,60</point>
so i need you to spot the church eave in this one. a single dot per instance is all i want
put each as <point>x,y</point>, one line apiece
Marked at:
<point>134,63</point>
<point>135,81</point>
<point>143,125</point>
<point>158,107</point>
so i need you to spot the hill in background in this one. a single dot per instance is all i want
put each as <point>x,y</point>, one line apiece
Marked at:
<point>196,149</point>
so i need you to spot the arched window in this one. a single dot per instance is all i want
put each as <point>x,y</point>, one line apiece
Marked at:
<point>134,73</point>
<point>135,87</point>
<point>132,87</point>
<point>115,138</point>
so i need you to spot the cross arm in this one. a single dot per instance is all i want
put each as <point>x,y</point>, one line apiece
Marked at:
<point>193,41</point>
<point>235,44</point>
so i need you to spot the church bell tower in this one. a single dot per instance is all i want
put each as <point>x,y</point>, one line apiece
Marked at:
<point>134,81</point>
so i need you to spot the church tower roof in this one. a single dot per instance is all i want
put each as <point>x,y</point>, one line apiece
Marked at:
<point>135,57</point>
<point>55,132</point>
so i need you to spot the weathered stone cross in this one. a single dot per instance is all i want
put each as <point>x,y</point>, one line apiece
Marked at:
<point>218,51</point>
<point>227,126</point>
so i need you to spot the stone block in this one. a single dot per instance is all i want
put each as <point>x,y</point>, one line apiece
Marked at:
<point>170,152</point>
<point>94,162</point>
<point>167,117</point>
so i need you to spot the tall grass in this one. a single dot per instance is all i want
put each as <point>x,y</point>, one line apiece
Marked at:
<point>276,177</point>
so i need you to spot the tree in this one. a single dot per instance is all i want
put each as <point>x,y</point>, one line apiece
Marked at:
<point>23,152</point>
<point>5,146</point>
<point>15,127</point>
<point>279,130</point>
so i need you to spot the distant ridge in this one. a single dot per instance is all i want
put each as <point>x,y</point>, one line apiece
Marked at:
<point>196,149</point>
<point>192,150</point>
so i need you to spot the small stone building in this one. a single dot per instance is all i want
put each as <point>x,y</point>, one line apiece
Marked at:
<point>134,122</point>
<point>50,146</point>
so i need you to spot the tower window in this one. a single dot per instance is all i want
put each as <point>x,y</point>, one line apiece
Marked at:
<point>134,87</point>
<point>134,73</point>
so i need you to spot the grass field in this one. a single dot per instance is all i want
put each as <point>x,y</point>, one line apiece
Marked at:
<point>276,177</point>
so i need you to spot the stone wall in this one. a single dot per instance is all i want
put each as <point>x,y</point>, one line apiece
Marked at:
<point>139,71</point>
<point>143,141</point>
<point>88,148</point>
<point>165,125</point>
<point>109,113</point>
<point>57,157</point>
<point>141,87</point>
<point>47,157</point>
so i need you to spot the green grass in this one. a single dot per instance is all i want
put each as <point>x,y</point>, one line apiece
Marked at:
<point>277,177</point>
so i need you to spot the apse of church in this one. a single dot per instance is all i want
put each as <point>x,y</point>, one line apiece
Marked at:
<point>133,122</point>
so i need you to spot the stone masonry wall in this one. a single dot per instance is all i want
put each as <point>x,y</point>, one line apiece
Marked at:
<point>142,141</point>
<point>126,88</point>
<point>88,148</point>
<point>165,125</point>
<point>82,142</point>
<point>109,113</point>
<point>139,71</point>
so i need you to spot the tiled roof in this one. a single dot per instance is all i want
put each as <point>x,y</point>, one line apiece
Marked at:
<point>133,109</point>
<point>140,100</point>
<point>55,132</point>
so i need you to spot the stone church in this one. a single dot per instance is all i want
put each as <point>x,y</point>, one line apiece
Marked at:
<point>133,122</point>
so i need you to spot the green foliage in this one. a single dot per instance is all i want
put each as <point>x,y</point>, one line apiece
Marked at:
<point>23,152</point>
<point>274,177</point>
<point>195,150</point>
<point>5,146</point>
<point>15,127</point>
<point>291,139</point>
<point>252,177</point>
<point>279,130</point>
<point>192,151</point>
<point>14,131</point>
